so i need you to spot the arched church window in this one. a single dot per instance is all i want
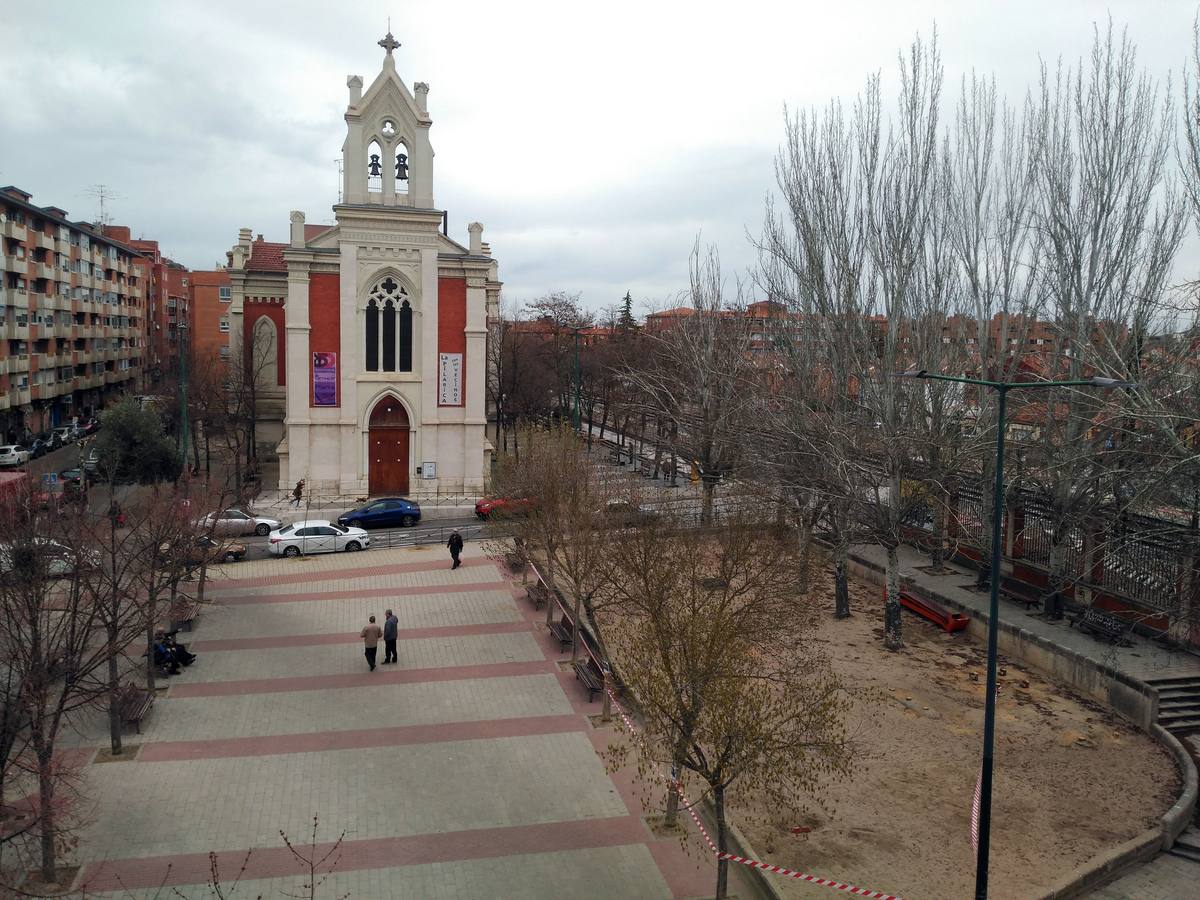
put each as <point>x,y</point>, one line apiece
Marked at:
<point>375,164</point>
<point>372,336</point>
<point>406,337</point>
<point>389,337</point>
<point>388,328</point>
<point>400,166</point>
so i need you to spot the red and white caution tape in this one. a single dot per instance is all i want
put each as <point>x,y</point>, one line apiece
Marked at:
<point>753,863</point>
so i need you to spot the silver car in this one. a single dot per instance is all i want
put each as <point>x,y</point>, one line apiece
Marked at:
<point>239,522</point>
<point>316,536</point>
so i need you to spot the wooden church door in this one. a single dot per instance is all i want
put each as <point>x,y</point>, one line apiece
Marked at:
<point>387,472</point>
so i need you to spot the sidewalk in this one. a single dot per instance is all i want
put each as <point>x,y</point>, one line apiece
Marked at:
<point>471,769</point>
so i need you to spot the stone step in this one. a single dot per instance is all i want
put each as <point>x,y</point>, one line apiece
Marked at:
<point>1178,694</point>
<point>1191,711</point>
<point>1175,681</point>
<point>1186,852</point>
<point>1183,726</point>
<point>1190,838</point>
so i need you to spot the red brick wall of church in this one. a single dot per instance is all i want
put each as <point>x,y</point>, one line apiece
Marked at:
<point>325,318</point>
<point>252,310</point>
<point>452,322</point>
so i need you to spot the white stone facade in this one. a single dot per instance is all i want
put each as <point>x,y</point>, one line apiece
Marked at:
<point>387,245</point>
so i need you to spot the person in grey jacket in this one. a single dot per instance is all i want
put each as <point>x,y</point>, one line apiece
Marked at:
<point>390,625</point>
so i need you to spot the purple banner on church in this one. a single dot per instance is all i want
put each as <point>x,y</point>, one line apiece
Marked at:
<point>324,379</point>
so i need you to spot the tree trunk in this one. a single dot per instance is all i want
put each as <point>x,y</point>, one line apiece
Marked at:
<point>575,630</point>
<point>671,817</point>
<point>603,421</point>
<point>46,814</point>
<point>551,601</point>
<point>841,581</point>
<point>1053,603</point>
<point>150,626</point>
<point>804,532</point>
<point>722,843</point>
<point>892,638</point>
<point>937,553</point>
<point>114,690</point>
<point>202,580</point>
<point>708,488</point>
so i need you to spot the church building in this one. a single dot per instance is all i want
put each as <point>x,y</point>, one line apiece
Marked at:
<point>365,340</point>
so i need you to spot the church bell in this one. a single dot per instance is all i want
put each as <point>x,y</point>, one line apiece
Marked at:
<point>373,167</point>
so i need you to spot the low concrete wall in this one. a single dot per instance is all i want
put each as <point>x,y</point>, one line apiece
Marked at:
<point>1120,692</point>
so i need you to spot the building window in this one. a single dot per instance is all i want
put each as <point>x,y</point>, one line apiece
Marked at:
<point>388,330</point>
<point>224,326</point>
<point>223,294</point>
<point>224,351</point>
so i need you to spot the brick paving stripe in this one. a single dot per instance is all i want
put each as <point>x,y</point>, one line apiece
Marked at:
<point>228,748</point>
<point>268,862</point>
<point>311,577</point>
<point>352,593</point>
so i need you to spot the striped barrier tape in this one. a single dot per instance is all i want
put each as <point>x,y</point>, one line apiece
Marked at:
<point>752,863</point>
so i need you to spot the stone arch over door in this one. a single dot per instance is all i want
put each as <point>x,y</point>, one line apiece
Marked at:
<point>388,433</point>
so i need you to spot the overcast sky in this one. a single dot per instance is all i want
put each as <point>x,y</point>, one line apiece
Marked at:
<point>593,141</point>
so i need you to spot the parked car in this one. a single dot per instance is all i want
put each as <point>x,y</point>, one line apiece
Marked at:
<point>91,426</point>
<point>38,448</point>
<point>623,514</point>
<point>379,513</point>
<point>74,476</point>
<point>237,521</point>
<point>58,559</point>
<point>67,434</point>
<point>316,536</point>
<point>205,549</point>
<point>13,455</point>
<point>59,495</point>
<point>502,506</point>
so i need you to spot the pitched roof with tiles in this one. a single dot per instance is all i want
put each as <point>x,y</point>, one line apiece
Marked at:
<point>266,256</point>
<point>312,231</point>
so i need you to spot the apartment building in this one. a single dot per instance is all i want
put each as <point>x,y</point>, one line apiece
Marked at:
<point>209,299</point>
<point>72,310</point>
<point>167,284</point>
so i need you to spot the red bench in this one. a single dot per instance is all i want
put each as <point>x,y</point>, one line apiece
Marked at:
<point>934,612</point>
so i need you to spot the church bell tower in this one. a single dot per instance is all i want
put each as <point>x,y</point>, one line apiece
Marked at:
<point>387,158</point>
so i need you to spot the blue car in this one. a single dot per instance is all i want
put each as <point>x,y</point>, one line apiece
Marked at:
<point>387,511</point>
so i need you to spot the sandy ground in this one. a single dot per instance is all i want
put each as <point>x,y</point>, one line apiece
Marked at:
<point>1071,779</point>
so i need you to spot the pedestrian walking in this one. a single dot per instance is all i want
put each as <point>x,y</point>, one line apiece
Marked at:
<point>390,626</point>
<point>455,544</point>
<point>371,634</point>
<point>297,493</point>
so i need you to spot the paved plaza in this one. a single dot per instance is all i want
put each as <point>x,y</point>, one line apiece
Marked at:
<point>468,770</point>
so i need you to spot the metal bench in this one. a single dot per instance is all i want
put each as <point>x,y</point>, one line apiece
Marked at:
<point>589,675</point>
<point>183,613</point>
<point>538,594</point>
<point>133,703</point>
<point>1102,625</point>
<point>1019,592</point>
<point>563,630</point>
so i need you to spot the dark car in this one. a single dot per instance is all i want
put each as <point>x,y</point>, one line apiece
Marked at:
<point>37,448</point>
<point>51,439</point>
<point>383,512</point>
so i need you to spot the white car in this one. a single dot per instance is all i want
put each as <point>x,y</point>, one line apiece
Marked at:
<point>316,536</point>
<point>239,522</point>
<point>13,455</point>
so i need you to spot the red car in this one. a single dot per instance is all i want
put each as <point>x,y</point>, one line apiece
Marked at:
<point>502,506</point>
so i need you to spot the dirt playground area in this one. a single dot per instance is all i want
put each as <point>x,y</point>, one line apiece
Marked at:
<point>1071,779</point>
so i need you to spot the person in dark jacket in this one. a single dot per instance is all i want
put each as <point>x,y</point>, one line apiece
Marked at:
<point>390,625</point>
<point>455,544</point>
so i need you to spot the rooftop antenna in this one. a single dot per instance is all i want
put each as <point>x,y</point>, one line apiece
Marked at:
<point>104,194</point>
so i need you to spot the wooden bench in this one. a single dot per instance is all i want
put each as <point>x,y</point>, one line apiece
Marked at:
<point>133,703</point>
<point>647,466</point>
<point>183,613</point>
<point>589,675</point>
<point>934,612</point>
<point>538,594</point>
<point>563,630</point>
<point>1103,625</point>
<point>614,456</point>
<point>1019,592</point>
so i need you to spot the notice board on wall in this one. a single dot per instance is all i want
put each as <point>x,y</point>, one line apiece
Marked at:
<point>450,366</point>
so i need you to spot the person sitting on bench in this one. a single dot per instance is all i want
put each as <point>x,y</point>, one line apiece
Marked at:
<point>178,650</point>
<point>164,658</point>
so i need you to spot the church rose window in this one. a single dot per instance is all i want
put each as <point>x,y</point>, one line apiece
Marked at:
<point>388,330</point>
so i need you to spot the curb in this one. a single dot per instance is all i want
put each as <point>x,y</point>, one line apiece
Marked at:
<point>1103,868</point>
<point>1176,819</point>
<point>738,844</point>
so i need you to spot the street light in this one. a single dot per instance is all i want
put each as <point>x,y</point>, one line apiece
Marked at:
<point>989,715</point>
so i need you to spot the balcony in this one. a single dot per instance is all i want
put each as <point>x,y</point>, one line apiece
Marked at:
<point>114,376</point>
<point>86,382</point>
<point>12,297</point>
<point>16,329</point>
<point>42,270</point>
<point>17,232</point>
<point>20,396</point>
<point>43,240</point>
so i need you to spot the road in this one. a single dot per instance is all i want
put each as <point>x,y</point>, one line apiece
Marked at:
<point>436,531</point>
